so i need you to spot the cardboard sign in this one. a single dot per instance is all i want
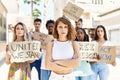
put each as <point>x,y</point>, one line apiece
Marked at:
<point>72,11</point>
<point>24,51</point>
<point>43,38</point>
<point>88,50</point>
<point>107,54</point>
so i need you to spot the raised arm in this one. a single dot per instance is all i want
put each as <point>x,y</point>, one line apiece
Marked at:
<point>75,61</point>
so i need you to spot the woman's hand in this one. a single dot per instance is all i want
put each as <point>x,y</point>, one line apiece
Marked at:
<point>40,54</point>
<point>113,64</point>
<point>75,56</point>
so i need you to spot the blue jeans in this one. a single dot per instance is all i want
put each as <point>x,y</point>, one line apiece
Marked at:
<point>82,78</point>
<point>101,70</point>
<point>37,65</point>
<point>45,74</point>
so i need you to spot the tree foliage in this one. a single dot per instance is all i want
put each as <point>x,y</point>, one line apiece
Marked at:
<point>35,12</point>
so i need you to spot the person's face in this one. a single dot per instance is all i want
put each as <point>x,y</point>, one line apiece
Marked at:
<point>62,29</point>
<point>79,25</point>
<point>92,33</point>
<point>37,25</point>
<point>19,30</point>
<point>80,35</point>
<point>50,28</point>
<point>100,33</point>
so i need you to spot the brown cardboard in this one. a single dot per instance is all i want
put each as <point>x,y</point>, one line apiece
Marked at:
<point>88,50</point>
<point>107,54</point>
<point>43,38</point>
<point>72,11</point>
<point>24,51</point>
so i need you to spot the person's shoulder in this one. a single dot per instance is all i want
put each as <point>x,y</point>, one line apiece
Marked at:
<point>94,41</point>
<point>108,43</point>
<point>50,43</point>
<point>74,43</point>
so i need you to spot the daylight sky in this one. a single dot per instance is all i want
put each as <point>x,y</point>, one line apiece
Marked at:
<point>26,8</point>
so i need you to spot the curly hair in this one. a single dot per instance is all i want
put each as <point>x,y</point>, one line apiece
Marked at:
<point>49,21</point>
<point>86,38</point>
<point>71,31</point>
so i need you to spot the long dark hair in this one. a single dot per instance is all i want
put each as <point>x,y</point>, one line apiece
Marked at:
<point>86,38</point>
<point>105,34</point>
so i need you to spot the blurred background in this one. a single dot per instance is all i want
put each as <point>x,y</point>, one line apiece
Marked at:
<point>105,12</point>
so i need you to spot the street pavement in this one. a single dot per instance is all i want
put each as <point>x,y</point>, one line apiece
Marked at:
<point>114,71</point>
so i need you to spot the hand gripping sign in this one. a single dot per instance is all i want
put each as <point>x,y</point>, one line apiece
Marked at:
<point>88,50</point>
<point>24,51</point>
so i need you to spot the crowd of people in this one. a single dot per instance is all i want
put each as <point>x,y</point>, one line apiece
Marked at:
<point>61,57</point>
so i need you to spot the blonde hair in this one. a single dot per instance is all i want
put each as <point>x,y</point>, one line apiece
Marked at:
<point>25,36</point>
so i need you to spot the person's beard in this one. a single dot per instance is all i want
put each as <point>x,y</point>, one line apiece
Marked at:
<point>50,33</point>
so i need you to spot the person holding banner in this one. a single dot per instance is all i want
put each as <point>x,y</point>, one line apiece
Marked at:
<point>84,70</point>
<point>62,54</point>
<point>21,70</point>
<point>101,68</point>
<point>45,74</point>
<point>79,24</point>
<point>50,26</point>
<point>37,63</point>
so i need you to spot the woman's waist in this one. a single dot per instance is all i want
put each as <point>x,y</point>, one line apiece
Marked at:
<point>98,63</point>
<point>64,71</point>
<point>20,63</point>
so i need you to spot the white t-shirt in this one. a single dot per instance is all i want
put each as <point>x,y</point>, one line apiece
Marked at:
<point>106,43</point>
<point>60,51</point>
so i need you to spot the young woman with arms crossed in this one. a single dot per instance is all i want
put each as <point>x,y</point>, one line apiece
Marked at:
<point>62,54</point>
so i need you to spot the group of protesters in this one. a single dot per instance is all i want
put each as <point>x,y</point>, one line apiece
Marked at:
<point>61,59</point>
